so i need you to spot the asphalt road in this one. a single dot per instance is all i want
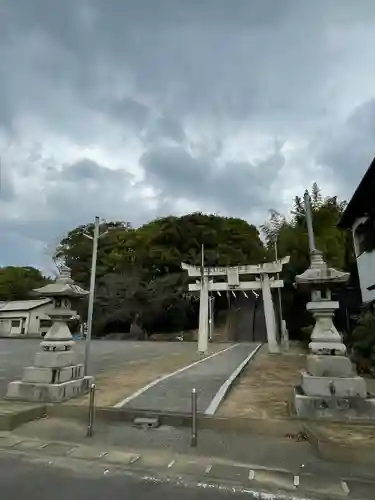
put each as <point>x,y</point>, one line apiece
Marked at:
<point>23,478</point>
<point>15,354</point>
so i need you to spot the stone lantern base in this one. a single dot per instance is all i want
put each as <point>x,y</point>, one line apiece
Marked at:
<point>334,408</point>
<point>55,377</point>
<point>330,388</point>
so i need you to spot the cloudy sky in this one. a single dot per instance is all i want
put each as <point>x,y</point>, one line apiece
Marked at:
<point>131,109</point>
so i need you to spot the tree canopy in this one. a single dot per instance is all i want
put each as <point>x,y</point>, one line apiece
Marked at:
<point>290,234</point>
<point>139,270</point>
<point>16,283</point>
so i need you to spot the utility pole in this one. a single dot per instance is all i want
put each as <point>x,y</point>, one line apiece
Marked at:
<point>95,240</point>
<point>279,294</point>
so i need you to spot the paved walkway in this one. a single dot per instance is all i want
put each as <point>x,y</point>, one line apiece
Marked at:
<point>174,393</point>
<point>188,469</point>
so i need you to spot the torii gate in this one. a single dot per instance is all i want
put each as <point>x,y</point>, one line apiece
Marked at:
<point>264,283</point>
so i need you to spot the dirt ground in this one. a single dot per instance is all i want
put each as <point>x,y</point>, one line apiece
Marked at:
<point>353,435</point>
<point>265,387</point>
<point>115,385</point>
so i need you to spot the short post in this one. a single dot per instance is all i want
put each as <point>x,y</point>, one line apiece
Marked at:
<point>194,417</point>
<point>90,426</point>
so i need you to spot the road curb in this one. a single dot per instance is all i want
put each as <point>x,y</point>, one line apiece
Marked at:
<point>12,417</point>
<point>273,427</point>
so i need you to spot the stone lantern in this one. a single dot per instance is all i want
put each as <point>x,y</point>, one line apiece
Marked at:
<point>319,279</point>
<point>330,387</point>
<point>55,375</point>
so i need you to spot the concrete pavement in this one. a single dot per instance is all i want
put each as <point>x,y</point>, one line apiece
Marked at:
<point>173,394</point>
<point>86,465</point>
<point>22,477</point>
<point>271,452</point>
<point>15,354</point>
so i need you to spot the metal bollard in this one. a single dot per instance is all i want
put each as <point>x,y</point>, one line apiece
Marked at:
<point>194,417</point>
<point>90,426</point>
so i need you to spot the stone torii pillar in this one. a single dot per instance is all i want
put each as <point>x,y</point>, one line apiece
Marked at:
<point>203,316</point>
<point>269,313</point>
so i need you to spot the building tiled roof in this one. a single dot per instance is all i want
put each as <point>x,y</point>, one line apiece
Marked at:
<point>22,305</point>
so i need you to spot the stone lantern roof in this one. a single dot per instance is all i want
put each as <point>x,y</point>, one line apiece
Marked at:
<point>319,274</point>
<point>64,286</point>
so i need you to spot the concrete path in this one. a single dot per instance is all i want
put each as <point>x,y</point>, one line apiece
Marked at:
<point>208,376</point>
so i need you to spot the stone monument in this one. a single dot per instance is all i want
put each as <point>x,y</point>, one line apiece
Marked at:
<point>330,388</point>
<point>55,376</point>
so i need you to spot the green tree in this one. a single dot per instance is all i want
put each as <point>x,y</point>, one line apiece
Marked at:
<point>75,250</point>
<point>17,283</point>
<point>139,270</point>
<point>290,235</point>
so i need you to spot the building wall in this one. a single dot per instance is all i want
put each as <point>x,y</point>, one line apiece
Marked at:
<point>30,321</point>
<point>39,319</point>
<point>8,320</point>
<point>365,264</point>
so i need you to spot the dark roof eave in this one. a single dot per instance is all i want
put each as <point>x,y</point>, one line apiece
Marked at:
<point>355,207</point>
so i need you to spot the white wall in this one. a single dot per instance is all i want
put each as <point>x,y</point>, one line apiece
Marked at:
<point>5,326</point>
<point>366,273</point>
<point>365,264</point>
<point>6,318</point>
<point>37,314</point>
<point>31,320</point>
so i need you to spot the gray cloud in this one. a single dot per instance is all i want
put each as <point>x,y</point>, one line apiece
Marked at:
<point>165,128</point>
<point>6,184</point>
<point>139,108</point>
<point>231,187</point>
<point>349,149</point>
<point>129,111</point>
